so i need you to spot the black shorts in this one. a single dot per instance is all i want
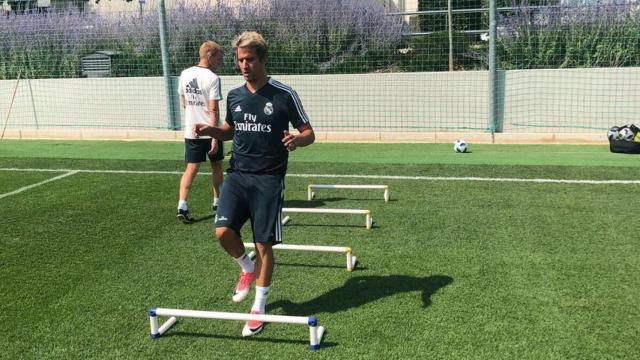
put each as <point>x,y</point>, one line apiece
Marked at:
<point>195,150</point>
<point>255,197</point>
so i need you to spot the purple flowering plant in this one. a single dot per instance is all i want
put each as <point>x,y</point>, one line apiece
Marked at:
<point>305,37</point>
<point>573,34</point>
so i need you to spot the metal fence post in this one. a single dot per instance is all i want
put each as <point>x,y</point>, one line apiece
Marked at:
<point>496,79</point>
<point>173,122</point>
<point>493,98</point>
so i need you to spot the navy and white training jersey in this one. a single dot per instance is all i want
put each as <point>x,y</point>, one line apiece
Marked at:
<point>259,120</point>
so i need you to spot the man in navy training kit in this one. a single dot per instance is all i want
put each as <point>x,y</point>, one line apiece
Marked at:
<point>258,115</point>
<point>199,89</point>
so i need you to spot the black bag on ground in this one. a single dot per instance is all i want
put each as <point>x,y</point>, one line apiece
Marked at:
<point>624,146</point>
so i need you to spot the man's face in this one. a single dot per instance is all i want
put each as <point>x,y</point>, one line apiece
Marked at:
<point>215,59</point>
<point>251,68</point>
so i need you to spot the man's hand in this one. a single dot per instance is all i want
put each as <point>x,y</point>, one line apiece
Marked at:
<point>289,141</point>
<point>201,130</point>
<point>214,147</point>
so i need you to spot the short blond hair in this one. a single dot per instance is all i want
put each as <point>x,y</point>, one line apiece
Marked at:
<point>252,39</point>
<point>209,46</point>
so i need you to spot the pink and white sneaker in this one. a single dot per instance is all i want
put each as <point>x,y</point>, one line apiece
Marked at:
<point>252,327</point>
<point>243,286</point>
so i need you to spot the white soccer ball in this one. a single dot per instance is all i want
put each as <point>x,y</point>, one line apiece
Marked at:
<point>612,134</point>
<point>460,146</point>
<point>626,134</point>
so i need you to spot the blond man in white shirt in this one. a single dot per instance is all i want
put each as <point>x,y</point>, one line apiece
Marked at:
<point>200,92</point>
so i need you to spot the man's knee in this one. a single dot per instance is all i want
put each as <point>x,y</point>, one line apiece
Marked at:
<point>191,168</point>
<point>224,233</point>
<point>264,245</point>
<point>216,167</point>
<point>265,248</point>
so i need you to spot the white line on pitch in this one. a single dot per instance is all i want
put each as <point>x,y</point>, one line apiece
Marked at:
<point>97,171</point>
<point>38,184</point>
<point>375,177</point>
<point>456,178</point>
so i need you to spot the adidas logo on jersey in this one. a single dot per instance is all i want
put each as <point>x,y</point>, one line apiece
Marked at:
<point>193,88</point>
<point>237,109</point>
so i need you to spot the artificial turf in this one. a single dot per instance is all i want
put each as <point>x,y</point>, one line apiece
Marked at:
<point>451,269</point>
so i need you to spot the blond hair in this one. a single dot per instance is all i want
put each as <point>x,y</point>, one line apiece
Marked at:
<point>253,40</point>
<point>207,47</point>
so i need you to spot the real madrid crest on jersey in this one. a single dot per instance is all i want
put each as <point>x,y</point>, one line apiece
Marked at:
<point>268,108</point>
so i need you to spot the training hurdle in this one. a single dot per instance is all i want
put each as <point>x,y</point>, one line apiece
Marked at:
<point>351,260</point>
<point>315,331</point>
<point>366,213</point>
<point>311,194</point>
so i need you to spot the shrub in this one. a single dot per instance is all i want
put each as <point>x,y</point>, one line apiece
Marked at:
<point>571,36</point>
<point>305,37</point>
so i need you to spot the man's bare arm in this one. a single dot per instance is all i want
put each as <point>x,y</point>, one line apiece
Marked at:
<point>305,138</point>
<point>214,119</point>
<point>214,113</point>
<point>222,133</point>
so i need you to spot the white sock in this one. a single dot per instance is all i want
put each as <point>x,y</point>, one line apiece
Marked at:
<point>215,201</point>
<point>182,205</point>
<point>245,263</point>
<point>261,299</point>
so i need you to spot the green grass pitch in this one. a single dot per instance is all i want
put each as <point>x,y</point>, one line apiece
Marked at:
<point>501,267</point>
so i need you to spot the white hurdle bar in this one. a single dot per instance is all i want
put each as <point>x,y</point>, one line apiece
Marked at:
<point>311,194</point>
<point>315,331</point>
<point>366,213</point>
<point>351,260</point>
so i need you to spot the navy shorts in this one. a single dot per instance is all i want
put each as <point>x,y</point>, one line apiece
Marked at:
<point>195,150</point>
<point>252,197</point>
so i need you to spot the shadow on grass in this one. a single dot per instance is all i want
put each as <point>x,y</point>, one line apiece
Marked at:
<point>365,200</point>
<point>292,223</point>
<point>308,204</point>
<point>360,290</point>
<point>256,338</point>
<point>320,202</point>
<point>359,267</point>
<point>203,218</point>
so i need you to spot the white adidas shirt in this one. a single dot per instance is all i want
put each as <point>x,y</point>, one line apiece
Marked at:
<point>198,85</point>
